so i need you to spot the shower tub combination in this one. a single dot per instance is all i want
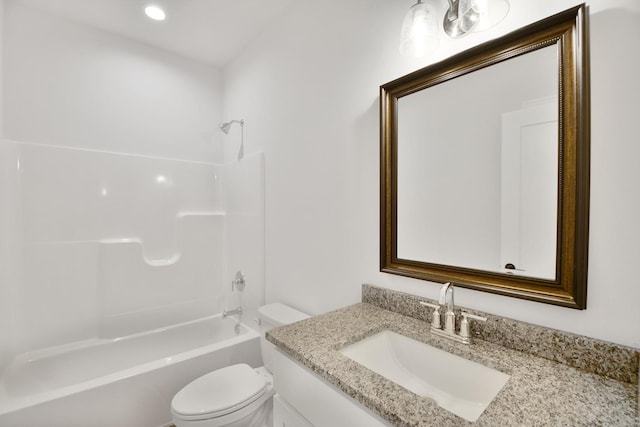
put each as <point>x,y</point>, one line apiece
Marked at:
<point>124,382</point>
<point>112,301</point>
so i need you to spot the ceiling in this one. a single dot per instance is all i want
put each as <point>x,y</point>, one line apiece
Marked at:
<point>211,31</point>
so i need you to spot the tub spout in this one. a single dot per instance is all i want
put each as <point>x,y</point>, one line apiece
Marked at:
<point>227,313</point>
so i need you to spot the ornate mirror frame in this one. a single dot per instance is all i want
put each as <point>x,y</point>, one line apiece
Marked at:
<point>567,30</point>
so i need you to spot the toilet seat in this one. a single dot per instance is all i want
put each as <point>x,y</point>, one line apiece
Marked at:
<point>219,393</point>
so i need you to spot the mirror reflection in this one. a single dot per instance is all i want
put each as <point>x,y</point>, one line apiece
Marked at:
<point>477,169</point>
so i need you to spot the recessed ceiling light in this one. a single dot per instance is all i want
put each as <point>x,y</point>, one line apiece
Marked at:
<point>155,13</point>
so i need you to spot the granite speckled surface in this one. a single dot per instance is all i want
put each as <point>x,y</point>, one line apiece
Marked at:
<point>589,354</point>
<point>540,392</point>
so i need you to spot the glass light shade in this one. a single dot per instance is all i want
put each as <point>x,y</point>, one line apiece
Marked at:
<point>419,31</point>
<point>469,14</point>
<point>491,12</point>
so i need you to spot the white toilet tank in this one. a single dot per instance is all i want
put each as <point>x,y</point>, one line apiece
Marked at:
<point>272,316</point>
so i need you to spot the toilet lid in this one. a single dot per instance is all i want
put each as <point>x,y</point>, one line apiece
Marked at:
<point>219,392</point>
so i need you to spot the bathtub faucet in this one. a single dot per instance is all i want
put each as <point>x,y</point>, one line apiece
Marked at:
<point>239,282</point>
<point>227,313</point>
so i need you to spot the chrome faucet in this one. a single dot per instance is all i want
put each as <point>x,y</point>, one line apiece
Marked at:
<point>237,283</point>
<point>227,313</point>
<point>449,329</point>
<point>449,315</point>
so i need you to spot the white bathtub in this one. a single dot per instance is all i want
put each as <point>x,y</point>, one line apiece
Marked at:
<point>123,382</point>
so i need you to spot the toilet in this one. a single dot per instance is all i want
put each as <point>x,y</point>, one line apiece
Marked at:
<point>237,395</point>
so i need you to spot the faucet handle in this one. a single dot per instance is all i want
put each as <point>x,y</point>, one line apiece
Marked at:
<point>428,304</point>
<point>435,321</point>
<point>238,282</point>
<point>465,328</point>
<point>473,316</point>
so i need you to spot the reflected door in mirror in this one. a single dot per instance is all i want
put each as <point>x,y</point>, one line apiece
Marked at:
<point>530,190</point>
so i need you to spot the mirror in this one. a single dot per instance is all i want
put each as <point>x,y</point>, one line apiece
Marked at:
<point>485,166</point>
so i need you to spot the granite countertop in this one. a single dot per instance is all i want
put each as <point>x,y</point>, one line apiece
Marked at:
<point>540,392</point>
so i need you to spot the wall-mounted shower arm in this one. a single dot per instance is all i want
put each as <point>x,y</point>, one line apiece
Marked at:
<point>224,127</point>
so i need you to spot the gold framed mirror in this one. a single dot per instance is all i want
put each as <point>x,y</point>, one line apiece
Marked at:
<point>485,166</point>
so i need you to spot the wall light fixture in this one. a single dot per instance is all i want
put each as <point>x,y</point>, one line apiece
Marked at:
<point>420,29</point>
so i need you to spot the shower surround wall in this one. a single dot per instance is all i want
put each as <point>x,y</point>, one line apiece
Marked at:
<point>112,244</point>
<point>117,213</point>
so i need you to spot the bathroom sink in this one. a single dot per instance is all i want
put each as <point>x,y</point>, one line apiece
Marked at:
<point>456,384</point>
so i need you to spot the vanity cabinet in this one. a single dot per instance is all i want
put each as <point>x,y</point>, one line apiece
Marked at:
<point>306,400</point>
<point>284,415</point>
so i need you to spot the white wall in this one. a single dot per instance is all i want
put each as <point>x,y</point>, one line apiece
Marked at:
<point>5,247</point>
<point>72,85</point>
<point>309,90</point>
<point>10,241</point>
<point>1,66</point>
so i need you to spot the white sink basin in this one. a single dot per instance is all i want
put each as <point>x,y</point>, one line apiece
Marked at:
<point>458,385</point>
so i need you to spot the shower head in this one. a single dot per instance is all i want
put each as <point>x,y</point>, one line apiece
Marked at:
<point>224,127</point>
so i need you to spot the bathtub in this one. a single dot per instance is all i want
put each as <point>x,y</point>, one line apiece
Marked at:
<point>123,382</point>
